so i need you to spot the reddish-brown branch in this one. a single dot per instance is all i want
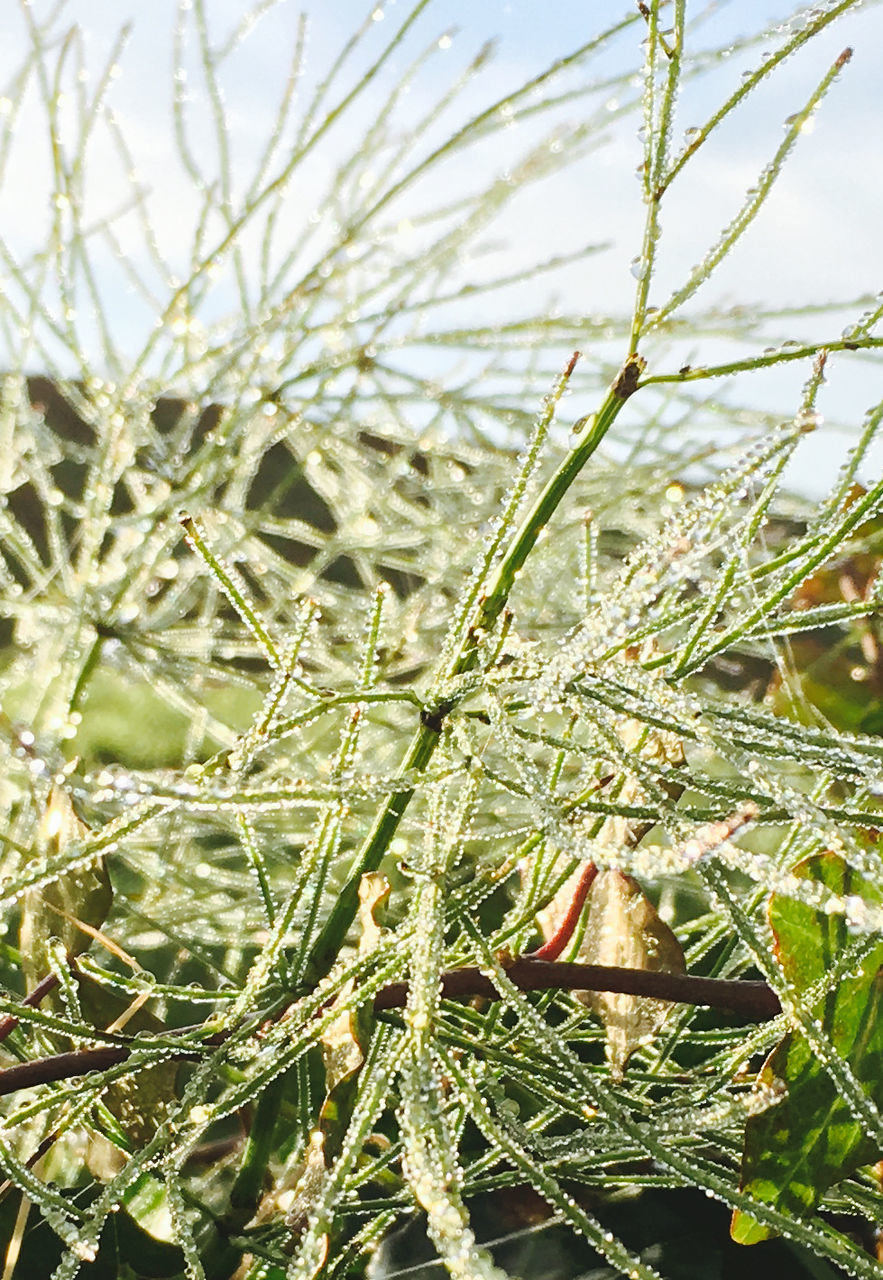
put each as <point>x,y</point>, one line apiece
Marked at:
<point>751,999</point>
<point>42,989</point>
<point>552,948</point>
<point>61,1066</point>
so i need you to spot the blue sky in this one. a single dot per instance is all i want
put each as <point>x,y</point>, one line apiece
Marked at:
<point>827,200</point>
<point>818,236</point>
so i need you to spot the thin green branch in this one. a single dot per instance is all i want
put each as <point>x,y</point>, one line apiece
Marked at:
<point>487,610</point>
<point>782,355</point>
<point>755,198</point>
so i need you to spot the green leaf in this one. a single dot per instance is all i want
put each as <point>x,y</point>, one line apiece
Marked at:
<point>809,1140</point>
<point>125,1247</point>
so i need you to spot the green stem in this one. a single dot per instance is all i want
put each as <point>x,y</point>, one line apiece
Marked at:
<point>248,1184</point>
<point>536,519</point>
<point>699,372</point>
<point>488,608</point>
<point>658,124</point>
<point>86,671</point>
<point>343,913</point>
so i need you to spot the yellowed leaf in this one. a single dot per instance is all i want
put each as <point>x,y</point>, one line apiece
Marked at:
<point>373,895</point>
<point>58,909</point>
<point>310,1183</point>
<point>138,1101</point>
<point>341,1047</point>
<point>623,928</point>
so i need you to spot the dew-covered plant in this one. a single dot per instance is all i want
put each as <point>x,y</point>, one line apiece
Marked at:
<point>429,834</point>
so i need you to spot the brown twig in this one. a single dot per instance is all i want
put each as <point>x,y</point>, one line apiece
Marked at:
<point>552,948</point>
<point>61,1066</point>
<point>751,999</point>
<point>42,989</point>
<point>754,999</point>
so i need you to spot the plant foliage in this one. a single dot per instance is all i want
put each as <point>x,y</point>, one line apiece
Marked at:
<point>329,658</point>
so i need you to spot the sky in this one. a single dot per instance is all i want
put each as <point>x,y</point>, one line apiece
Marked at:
<point>818,237</point>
